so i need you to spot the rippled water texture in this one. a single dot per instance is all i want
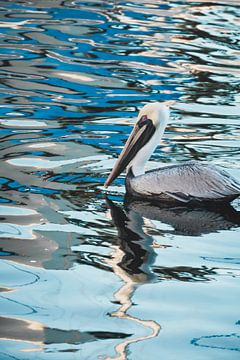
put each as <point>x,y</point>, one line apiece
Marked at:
<point>89,277</point>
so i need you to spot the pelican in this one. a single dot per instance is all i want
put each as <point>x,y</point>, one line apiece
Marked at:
<point>187,182</point>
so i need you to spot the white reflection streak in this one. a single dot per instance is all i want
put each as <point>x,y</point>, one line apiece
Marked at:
<point>124,297</point>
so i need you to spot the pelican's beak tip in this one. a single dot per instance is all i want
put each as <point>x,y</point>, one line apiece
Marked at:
<point>106,185</point>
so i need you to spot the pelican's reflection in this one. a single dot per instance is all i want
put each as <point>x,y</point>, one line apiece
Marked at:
<point>133,254</point>
<point>187,220</point>
<point>134,244</point>
<point>131,260</point>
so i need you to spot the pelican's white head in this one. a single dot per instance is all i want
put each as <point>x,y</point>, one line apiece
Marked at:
<point>157,112</point>
<point>144,138</point>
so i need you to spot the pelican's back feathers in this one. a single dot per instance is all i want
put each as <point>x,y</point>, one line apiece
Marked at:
<point>185,182</point>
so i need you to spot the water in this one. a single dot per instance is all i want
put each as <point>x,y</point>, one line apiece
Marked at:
<point>89,277</point>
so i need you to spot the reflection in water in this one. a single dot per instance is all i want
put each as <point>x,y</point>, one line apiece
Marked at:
<point>134,244</point>
<point>188,220</point>
<point>132,259</point>
<point>37,333</point>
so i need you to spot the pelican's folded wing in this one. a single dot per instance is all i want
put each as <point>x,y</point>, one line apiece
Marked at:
<point>188,181</point>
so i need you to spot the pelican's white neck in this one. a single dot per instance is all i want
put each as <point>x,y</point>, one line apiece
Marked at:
<point>159,116</point>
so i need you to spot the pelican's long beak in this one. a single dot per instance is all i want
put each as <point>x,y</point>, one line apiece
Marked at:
<point>140,135</point>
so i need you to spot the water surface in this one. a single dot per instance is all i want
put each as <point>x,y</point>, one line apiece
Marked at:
<point>85,276</point>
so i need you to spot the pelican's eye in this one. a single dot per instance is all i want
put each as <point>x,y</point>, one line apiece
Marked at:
<point>143,121</point>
